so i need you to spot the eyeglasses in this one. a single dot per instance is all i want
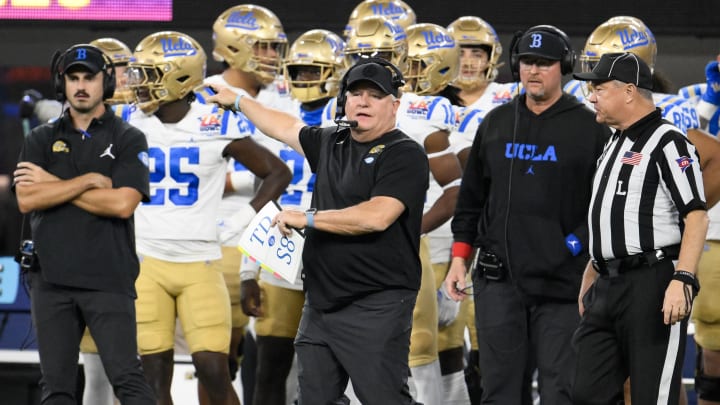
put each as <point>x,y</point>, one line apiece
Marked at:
<point>542,65</point>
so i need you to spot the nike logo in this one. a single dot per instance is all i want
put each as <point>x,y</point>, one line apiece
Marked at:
<point>107,152</point>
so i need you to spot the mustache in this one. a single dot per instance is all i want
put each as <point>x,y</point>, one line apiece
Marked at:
<point>82,93</point>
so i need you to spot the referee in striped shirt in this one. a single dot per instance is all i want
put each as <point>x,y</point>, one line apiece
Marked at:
<point>647,225</point>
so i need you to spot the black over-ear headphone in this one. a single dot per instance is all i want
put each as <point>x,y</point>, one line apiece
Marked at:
<point>567,60</point>
<point>58,67</point>
<point>397,81</point>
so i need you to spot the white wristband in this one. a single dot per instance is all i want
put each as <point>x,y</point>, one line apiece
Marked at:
<point>236,107</point>
<point>243,182</point>
<point>248,275</point>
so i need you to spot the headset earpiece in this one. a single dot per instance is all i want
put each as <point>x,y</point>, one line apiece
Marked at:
<point>58,82</point>
<point>397,82</point>
<point>514,59</point>
<point>109,79</point>
<point>57,67</point>
<point>567,60</point>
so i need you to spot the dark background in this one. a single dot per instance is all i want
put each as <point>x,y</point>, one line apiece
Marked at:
<point>688,31</point>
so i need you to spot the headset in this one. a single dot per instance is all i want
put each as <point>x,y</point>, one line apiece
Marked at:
<point>396,81</point>
<point>57,67</point>
<point>567,60</point>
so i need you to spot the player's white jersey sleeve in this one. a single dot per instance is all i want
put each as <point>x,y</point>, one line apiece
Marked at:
<point>575,88</point>
<point>328,115</point>
<point>693,92</point>
<point>497,94</point>
<point>468,119</point>
<point>420,116</point>
<point>708,112</point>
<point>678,110</point>
<point>276,95</point>
<point>187,178</point>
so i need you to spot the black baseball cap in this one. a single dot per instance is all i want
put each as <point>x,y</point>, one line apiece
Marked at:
<point>542,43</point>
<point>85,55</point>
<point>625,67</point>
<point>373,72</point>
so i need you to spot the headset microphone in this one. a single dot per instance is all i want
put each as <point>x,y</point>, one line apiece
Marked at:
<point>346,123</point>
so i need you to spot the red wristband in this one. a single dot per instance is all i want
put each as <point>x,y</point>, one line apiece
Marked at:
<point>461,249</point>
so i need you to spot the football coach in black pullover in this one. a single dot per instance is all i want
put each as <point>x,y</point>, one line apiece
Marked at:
<point>647,226</point>
<point>523,204</point>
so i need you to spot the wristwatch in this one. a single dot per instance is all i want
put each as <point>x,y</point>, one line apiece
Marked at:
<point>310,217</point>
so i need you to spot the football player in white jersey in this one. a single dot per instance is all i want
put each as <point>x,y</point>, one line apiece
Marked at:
<point>251,43</point>
<point>426,116</point>
<point>706,97</point>
<point>480,52</point>
<point>189,143</point>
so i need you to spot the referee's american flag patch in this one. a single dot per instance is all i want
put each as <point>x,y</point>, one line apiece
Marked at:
<point>631,158</point>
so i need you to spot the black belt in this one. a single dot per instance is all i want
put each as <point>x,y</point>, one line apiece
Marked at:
<point>614,267</point>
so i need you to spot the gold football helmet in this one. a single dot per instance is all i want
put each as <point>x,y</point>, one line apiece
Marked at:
<point>377,37</point>
<point>470,31</point>
<point>433,56</point>
<point>250,38</point>
<point>320,51</point>
<point>395,10</point>
<point>168,66</point>
<point>619,34</point>
<point>120,54</point>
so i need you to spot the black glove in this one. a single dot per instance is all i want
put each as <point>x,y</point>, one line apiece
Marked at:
<point>27,103</point>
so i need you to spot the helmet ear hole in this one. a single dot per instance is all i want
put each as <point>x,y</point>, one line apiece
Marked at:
<point>434,57</point>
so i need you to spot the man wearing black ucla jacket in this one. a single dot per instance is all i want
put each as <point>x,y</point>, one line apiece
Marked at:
<point>523,203</point>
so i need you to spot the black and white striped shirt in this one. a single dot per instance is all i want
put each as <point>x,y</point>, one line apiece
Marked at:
<point>647,180</point>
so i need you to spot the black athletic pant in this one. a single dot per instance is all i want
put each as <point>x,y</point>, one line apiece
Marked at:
<point>368,341</point>
<point>622,334</point>
<point>60,315</point>
<point>515,338</point>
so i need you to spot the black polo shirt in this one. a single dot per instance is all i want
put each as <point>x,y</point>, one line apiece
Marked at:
<point>76,248</point>
<point>340,268</point>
